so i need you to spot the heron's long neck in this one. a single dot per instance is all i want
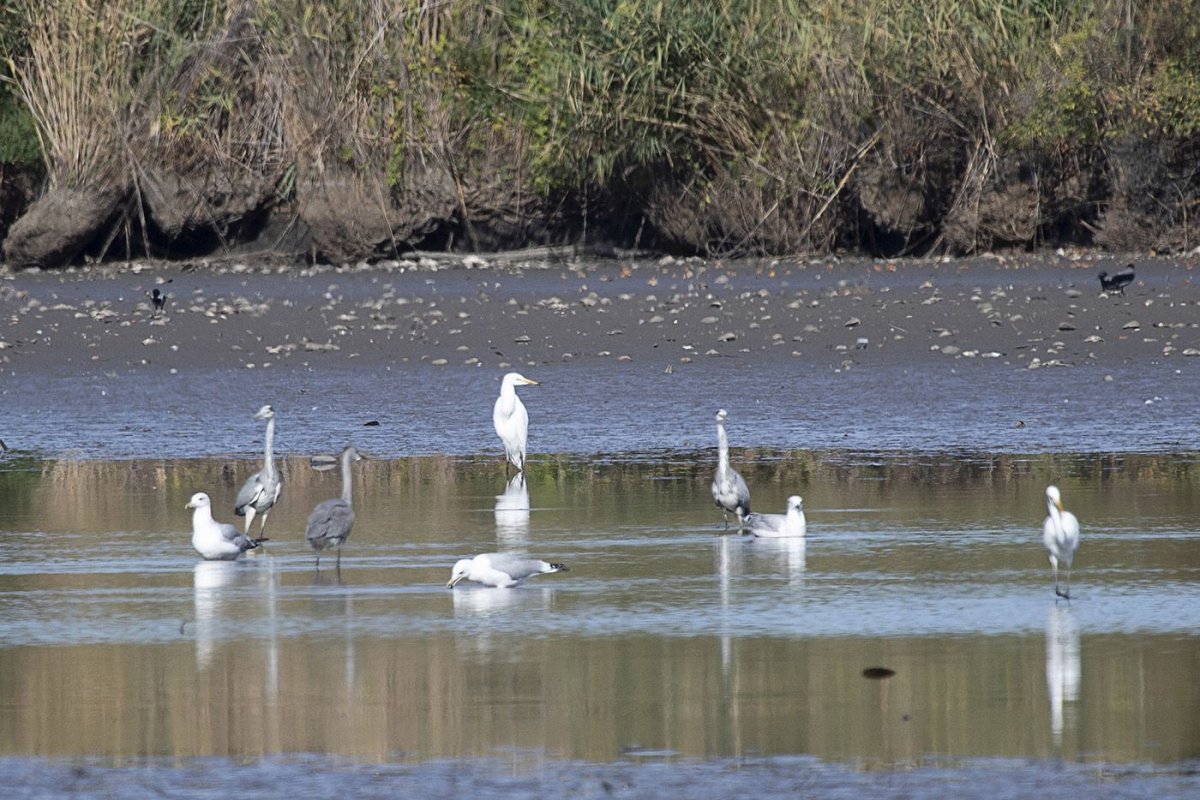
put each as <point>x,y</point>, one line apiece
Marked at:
<point>269,449</point>
<point>347,483</point>
<point>508,395</point>
<point>1054,514</point>
<point>722,448</point>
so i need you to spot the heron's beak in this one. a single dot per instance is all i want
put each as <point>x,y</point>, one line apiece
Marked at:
<point>1059,504</point>
<point>531,382</point>
<point>454,580</point>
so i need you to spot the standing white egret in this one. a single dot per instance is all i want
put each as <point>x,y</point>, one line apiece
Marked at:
<point>216,541</point>
<point>500,570</point>
<point>511,419</point>
<point>1060,534</point>
<point>330,522</point>
<point>261,490</point>
<point>729,490</point>
<point>780,525</point>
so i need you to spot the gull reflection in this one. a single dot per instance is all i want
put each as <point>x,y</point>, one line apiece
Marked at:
<point>1062,665</point>
<point>512,514</point>
<point>213,583</point>
<point>497,614</point>
<point>217,597</point>
<point>787,555</point>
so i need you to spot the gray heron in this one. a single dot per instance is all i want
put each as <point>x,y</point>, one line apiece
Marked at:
<point>330,522</point>
<point>729,490</point>
<point>261,490</point>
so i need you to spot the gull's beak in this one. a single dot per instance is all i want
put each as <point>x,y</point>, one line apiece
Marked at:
<point>189,504</point>
<point>454,580</point>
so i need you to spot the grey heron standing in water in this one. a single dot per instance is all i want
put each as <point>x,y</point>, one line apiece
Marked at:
<point>216,541</point>
<point>330,522</point>
<point>511,419</point>
<point>261,490</point>
<point>729,490</point>
<point>1060,534</point>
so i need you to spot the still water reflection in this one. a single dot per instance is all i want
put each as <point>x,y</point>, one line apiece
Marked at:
<point>665,637</point>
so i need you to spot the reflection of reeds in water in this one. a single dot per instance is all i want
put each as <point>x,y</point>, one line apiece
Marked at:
<point>1062,665</point>
<point>442,492</point>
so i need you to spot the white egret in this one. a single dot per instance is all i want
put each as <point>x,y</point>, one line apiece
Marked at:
<point>330,522</point>
<point>512,420</point>
<point>729,490</point>
<point>216,541</point>
<point>778,526</point>
<point>261,490</point>
<point>500,570</point>
<point>1060,534</point>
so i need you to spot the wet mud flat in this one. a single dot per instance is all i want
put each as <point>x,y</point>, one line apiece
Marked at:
<point>998,354</point>
<point>648,776</point>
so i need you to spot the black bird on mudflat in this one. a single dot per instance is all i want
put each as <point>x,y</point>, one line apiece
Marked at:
<point>1118,281</point>
<point>158,300</point>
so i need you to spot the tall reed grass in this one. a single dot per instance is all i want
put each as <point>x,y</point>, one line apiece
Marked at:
<point>755,126</point>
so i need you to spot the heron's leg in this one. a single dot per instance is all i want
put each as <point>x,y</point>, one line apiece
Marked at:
<point>339,558</point>
<point>318,561</point>
<point>1065,595</point>
<point>249,518</point>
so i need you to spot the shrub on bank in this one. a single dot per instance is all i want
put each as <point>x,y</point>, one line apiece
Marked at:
<point>764,126</point>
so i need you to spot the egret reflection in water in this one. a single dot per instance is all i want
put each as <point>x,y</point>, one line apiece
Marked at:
<point>1062,664</point>
<point>512,514</point>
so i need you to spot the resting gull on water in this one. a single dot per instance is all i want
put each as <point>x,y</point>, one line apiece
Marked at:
<point>216,541</point>
<point>780,525</point>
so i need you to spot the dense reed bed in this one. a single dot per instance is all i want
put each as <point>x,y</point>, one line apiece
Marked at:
<point>763,126</point>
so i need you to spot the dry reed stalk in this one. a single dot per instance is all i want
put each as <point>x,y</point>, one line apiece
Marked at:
<point>76,80</point>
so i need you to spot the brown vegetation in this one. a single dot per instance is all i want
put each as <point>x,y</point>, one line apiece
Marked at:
<point>344,130</point>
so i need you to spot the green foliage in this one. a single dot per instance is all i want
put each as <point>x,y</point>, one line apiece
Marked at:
<point>757,114</point>
<point>18,135</point>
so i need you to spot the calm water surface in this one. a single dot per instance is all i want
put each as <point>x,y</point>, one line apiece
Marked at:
<point>666,641</point>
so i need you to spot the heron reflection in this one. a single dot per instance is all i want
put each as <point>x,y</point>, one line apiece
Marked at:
<point>1062,665</point>
<point>512,514</point>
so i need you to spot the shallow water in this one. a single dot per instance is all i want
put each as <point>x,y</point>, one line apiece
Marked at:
<point>608,407</point>
<point>666,641</point>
